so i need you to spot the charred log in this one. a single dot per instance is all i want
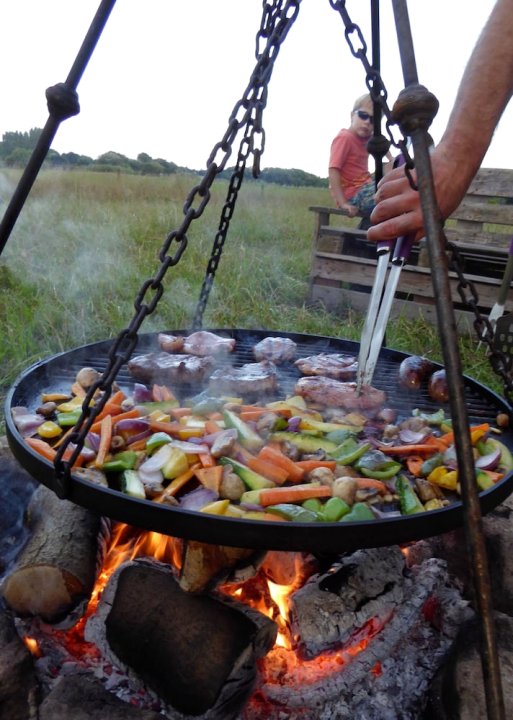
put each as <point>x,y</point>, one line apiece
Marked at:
<point>56,570</point>
<point>82,697</point>
<point>18,684</point>
<point>197,652</point>
<point>204,565</point>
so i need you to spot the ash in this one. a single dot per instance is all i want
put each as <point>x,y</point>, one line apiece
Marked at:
<point>388,679</point>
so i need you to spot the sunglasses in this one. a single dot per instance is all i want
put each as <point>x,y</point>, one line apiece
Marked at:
<point>364,115</point>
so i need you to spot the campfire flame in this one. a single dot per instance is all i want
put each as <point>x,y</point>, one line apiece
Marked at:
<point>283,664</point>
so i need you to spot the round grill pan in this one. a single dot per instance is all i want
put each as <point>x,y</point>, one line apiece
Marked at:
<point>56,374</point>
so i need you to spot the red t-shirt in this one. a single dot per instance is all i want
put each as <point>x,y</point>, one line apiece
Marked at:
<point>349,155</point>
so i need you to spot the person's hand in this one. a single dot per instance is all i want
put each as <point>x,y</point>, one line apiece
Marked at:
<point>398,211</point>
<point>350,210</point>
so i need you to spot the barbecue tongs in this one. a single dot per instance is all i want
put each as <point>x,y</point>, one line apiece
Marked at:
<point>380,305</point>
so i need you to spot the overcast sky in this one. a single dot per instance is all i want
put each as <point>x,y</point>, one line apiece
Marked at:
<point>166,74</point>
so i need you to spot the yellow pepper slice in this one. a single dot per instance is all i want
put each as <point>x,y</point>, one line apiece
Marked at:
<point>49,429</point>
<point>442,477</point>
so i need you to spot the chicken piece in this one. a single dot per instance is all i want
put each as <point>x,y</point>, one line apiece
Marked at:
<point>334,365</point>
<point>167,369</point>
<point>251,378</point>
<point>170,343</point>
<point>334,393</point>
<point>276,349</point>
<point>205,343</point>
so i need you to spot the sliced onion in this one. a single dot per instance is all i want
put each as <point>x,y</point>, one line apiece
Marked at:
<point>189,448</point>
<point>139,436</point>
<point>294,423</point>
<point>26,421</point>
<point>412,437</point>
<point>198,498</point>
<point>93,441</point>
<point>152,478</point>
<point>142,393</point>
<point>212,437</point>
<point>489,461</point>
<point>132,425</point>
<point>157,460</point>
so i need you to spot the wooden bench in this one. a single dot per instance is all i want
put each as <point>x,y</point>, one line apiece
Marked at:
<point>344,261</point>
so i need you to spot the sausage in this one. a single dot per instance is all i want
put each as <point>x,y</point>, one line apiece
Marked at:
<point>413,370</point>
<point>437,387</point>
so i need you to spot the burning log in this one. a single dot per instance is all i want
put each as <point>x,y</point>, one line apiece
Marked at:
<point>386,663</point>
<point>204,565</point>
<point>197,652</point>
<point>18,684</point>
<point>325,611</point>
<point>56,570</point>
<point>81,697</point>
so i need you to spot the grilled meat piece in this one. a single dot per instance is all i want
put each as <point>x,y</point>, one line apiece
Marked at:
<point>276,349</point>
<point>166,368</point>
<point>333,365</point>
<point>204,343</point>
<point>334,393</point>
<point>251,378</point>
<point>170,343</point>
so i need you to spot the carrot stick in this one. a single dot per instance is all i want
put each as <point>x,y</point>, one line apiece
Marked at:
<point>41,447</point>
<point>309,465</point>
<point>105,439</point>
<point>420,449</point>
<point>180,412</point>
<point>47,451</point>
<point>215,416</point>
<point>252,415</point>
<point>414,463</point>
<point>274,455</point>
<point>168,427</point>
<point>176,484</point>
<point>364,483</point>
<point>207,460</point>
<point>134,413</point>
<point>274,496</point>
<point>269,470</point>
<point>211,427</point>
<point>477,430</point>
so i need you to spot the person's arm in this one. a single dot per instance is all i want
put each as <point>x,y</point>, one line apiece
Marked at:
<point>338,194</point>
<point>484,92</point>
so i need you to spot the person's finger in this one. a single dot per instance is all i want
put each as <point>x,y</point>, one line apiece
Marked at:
<point>404,224</point>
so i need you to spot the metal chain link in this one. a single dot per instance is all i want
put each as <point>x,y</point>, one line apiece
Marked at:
<point>278,16</point>
<point>465,287</point>
<point>483,327</point>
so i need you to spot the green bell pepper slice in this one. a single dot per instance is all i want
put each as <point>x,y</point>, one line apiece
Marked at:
<point>408,500</point>
<point>388,471</point>
<point>123,461</point>
<point>349,451</point>
<point>334,509</point>
<point>359,513</point>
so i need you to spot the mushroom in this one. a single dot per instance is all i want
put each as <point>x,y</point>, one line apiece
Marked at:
<point>231,487</point>
<point>87,376</point>
<point>345,488</point>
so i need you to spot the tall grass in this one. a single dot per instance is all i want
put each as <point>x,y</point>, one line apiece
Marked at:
<point>85,242</point>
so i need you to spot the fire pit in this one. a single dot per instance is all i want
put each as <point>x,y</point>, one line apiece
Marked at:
<point>57,373</point>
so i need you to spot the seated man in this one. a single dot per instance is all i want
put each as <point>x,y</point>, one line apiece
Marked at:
<point>351,184</point>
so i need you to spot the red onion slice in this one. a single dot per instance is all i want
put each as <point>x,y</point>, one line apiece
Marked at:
<point>489,461</point>
<point>189,448</point>
<point>413,437</point>
<point>157,460</point>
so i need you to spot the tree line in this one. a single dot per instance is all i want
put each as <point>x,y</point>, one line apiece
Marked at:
<point>16,149</point>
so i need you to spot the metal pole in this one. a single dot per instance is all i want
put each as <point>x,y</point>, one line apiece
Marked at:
<point>62,103</point>
<point>448,333</point>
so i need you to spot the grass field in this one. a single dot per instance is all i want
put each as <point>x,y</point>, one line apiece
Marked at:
<point>85,242</point>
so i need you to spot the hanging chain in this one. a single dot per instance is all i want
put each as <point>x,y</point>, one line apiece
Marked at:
<point>466,288</point>
<point>277,19</point>
<point>484,330</point>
